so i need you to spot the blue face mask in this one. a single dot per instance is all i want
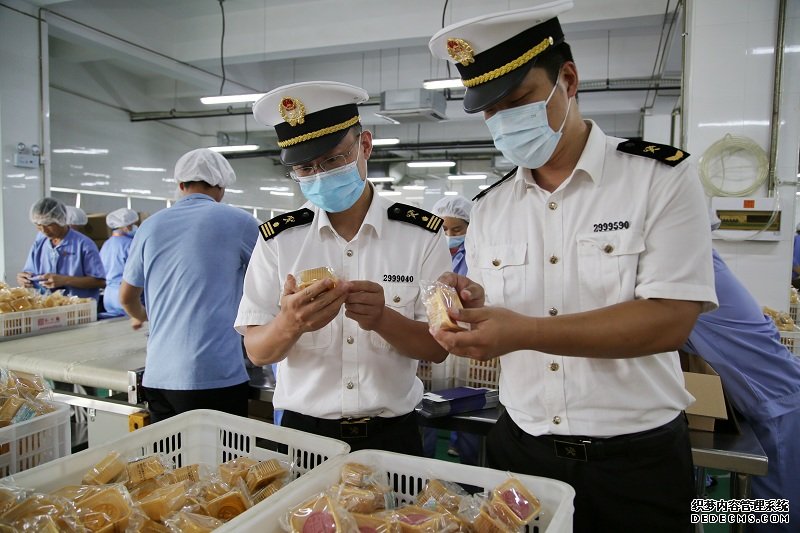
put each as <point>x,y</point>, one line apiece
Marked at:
<point>524,135</point>
<point>336,190</point>
<point>455,241</point>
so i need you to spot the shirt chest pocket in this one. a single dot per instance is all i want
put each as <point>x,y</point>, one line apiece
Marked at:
<point>502,269</point>
<point>607,267</point>
<point>400,298</point>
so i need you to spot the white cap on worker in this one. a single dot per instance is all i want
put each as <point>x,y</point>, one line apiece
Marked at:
<point>453,206</point>
<point>119,218</point>
<point>205,165</point>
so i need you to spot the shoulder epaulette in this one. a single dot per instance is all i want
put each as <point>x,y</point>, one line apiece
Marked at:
<point>284,221</point>
<point>501,180</point>
<point>669,155</point>
<point>415,215</point>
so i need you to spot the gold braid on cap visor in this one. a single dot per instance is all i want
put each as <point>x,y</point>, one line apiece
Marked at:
<point>319,133</point>
<point>512,65</point>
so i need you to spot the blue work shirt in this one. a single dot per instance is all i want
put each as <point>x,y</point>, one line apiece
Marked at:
<point>76,255</point>
<point>761,377</point>
<point>796,256</point>
<point>459,260</point>
<point>114,253</point>
<point>190,259</point>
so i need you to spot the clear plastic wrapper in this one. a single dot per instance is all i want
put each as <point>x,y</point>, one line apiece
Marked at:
<point>27,385</point>
<point>231,504</point>
<point>144,468</point>
<point>235,469</point>
<point>358,475</point>
<point>415,519</point>
<point>514,504</point>
<point>783,321</point>
<point>10,407</point>
<point>262,494</point>
<point>150,526</point>
<point>440,493</point>
<point>312,275</point>
<point>10,495</point>
<point>163,501</point>
<point>186,522</point>
<point>42,509</point>
<point>319,514</point>
<point>110,469</point>
<point>263,473</point>
<point>194,472</point>
<point>377,523</point>
<point>438,297</point>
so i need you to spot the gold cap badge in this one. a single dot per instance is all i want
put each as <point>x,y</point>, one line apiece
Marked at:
<point>292,110</point>
<point>460,50</point>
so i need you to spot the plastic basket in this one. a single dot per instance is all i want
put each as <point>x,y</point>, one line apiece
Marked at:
<point>436,376</point>
<point>408,475</point>
<point>791,339</point>
<point>36,441</point>
<point>472,373</point>
<point>793,311</point>
<point>200,436</point>
<point>41,320</point>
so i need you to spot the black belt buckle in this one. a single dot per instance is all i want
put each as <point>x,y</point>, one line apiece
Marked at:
<point>354,428</point>
<point>570,450</point>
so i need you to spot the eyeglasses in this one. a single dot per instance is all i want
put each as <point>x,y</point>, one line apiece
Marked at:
<point>326,165</point>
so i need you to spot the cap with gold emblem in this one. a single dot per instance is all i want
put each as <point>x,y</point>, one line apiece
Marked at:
<point>310,117</point>
<point>493,53</point>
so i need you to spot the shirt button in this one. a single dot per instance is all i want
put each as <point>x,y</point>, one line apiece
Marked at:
<point>396,299</point>
<point>553,311</point>
<point>608,249</point>
<point>553,260</point>
<point>350,340</point>
<point>556,420</point>
<point>554,367</point>
<point>350,385</point>
<point>553,206</point>
<point>496,262</point>
<point>349,253</point>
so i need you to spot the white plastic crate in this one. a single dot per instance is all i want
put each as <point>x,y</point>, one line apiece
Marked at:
<point>793,311</point>
<point>436,376</point>
<point>791,339</point>
<point>200,436</point>
<point>36,441</point>
<point>472,373</point>
<point>42,320</point>
<point>408,475</point>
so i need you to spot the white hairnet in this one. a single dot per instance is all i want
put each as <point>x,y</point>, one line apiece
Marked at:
<point>797,228</point>
<point>48,211</point>
<point>453,206</point>
<point>204,165</point>
<point>76,216</point>
<point>121,217</point>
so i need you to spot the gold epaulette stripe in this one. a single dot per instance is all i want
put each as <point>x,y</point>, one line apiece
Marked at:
<point>508,67</point>
<point>266,230</point>
<point>434,223</point>
<point>319,133</point>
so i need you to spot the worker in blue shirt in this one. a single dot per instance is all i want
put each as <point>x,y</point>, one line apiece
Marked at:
<point>60,257</point>
<point>762,381</point>
<point>189,262</point>
<point>796,259</point>
<point>114,253</point>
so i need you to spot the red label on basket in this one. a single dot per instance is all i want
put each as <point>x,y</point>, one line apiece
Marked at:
<point>44,322</point>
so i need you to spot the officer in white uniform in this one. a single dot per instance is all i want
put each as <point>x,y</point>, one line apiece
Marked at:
<point>348,353</point>
<point>592,258</point>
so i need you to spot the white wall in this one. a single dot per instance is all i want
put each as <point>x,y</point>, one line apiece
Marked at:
<point>729,90</point>
<point>20,121</point>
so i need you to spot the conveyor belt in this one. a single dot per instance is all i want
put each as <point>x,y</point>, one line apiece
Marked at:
<point>99,354</point>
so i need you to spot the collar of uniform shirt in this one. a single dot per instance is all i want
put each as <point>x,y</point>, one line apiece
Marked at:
<point>374,218</point>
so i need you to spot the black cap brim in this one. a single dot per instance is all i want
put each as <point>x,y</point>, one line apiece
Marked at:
<point>487,94</point>
<point>309,150</point>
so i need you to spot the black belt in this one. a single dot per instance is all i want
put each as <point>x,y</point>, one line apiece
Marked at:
<point>354,428</point>
<point>581,448</point>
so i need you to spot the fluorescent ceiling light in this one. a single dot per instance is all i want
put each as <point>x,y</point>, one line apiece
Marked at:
<point>414,187</point>
<point>761,50</point>
<point>389,193</point>
<point>136,191</point>
<point>414,198</point>
<point>168,180</point>
<point>15,175</point>
<point>231,98</point>
<point>234,148</point>
<point>95,175</point>
<point>383,179</point>
<point>431,164</point>
<point>93,183</point>
<point>451,83</point>
<point>84,151</point>
<point>461,177</point>
<point>145,169</point>
<point>281,189</point>
<point>234,191</point>
<point>385,142</point>
<point>450,193</point>
<point>281,193</point>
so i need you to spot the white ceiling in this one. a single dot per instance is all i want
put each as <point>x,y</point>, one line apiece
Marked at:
<point>159,55</point>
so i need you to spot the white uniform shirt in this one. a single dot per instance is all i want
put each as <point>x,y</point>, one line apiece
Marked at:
<point>342,370</point>
<point>621,227</point>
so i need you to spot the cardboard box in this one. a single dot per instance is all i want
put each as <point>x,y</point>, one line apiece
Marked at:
<point>710,411</point>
